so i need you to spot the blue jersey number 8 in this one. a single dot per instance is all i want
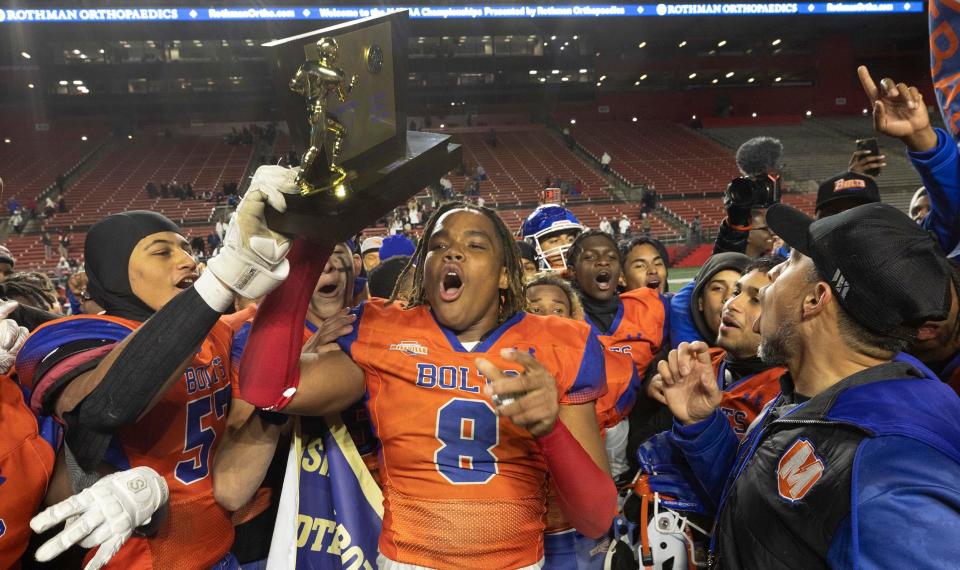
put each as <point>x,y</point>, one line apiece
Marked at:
<point>196,468</point>
<point>467,430</point>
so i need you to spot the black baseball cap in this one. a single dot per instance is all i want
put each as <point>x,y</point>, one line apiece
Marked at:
<point>885,269</point>
<point>847,186</point>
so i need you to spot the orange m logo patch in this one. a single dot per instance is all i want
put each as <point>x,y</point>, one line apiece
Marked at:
<point>798,470</point>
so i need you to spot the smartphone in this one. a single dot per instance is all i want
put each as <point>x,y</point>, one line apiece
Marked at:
<point>872,146</point>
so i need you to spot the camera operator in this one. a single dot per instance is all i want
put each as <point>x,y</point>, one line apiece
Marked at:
<point>744,229</point>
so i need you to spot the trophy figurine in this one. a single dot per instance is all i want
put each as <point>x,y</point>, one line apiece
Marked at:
<point>343,91</point>
<point>316,80</point>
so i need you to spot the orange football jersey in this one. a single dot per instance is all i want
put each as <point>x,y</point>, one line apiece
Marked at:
<point>178,439</point>
<point>744,399</point>
<point>463,487</point>
<point>27,454</point>
<point>637,332</point>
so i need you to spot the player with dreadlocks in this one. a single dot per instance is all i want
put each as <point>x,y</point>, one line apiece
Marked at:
<point>463,390</point>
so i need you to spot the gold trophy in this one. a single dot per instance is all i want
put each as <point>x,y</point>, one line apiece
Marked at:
<point>316,80</point>
<point>343,91</point>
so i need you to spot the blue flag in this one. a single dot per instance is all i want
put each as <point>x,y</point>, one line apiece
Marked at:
<point>331,509</point>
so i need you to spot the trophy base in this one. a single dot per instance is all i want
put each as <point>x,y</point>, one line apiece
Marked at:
<point>379,188</point>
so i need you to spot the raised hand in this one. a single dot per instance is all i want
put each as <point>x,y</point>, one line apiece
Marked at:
<point>530,399</point>
<point>899,111</point>
<point>690,383</point>
<point>862,161</point>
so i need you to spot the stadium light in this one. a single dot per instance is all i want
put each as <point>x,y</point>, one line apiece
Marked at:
<point>775,42</point>
<point>692,75</point>
<point>29,85</point>
<point>573,121</point>
<point>634,119</point>
<point>62,82</point>
<point>715,81</point>
<point>751,80</point>
<point>83,138</point>
<point>543,80</point>
<point>7,141</point>
<point>566,44</point>
<point>83,56</point>
<point>130,137</point>
<point>76,52</point>
<point>555,71</point>
<point>809,113</point>
<point>730,74</point>
<point>583,70</point>
<point>643,77</point>
<point>553,38</point>
<point>603,77</point>
<point>78,81</point>
<point>565,78</point>
<point>576,37</point>
<point>533,72</point>
<point>694,117</point>
<point>683,43</point>
<point>866,111</point>
<point>642,45</point>
<point>754,115</point>
<point>635,83</point>
<point>721,43</point>
<point>599,84</point>
<point>25,55</point>
<point>442,125</point>
<point>562,48</point>
<point>778,80</point>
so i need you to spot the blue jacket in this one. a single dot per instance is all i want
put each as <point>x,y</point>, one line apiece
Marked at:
<point>907,471</point>
<point>940,170</point>
<point>682,328</point>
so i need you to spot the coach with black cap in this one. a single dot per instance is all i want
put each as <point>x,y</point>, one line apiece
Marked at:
<point>857,463</point>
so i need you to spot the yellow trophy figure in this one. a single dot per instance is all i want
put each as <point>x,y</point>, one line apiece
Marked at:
<point>315,80</point>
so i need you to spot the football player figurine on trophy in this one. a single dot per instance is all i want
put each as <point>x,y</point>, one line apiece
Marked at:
<point>317,80</point>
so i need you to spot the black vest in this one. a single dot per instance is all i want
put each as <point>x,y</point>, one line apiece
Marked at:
<point>792,482</point>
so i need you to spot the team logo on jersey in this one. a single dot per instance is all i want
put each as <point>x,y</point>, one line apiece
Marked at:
<point>798,470</point>
<point>410,348</point>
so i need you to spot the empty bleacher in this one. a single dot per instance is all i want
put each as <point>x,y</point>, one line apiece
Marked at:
<point>517,167</point>
<point>118,181</point>
<point>29,165</point>
<point>820,148</point>
<point>670,157</point>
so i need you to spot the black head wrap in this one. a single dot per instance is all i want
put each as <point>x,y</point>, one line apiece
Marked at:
<point>107,252</point>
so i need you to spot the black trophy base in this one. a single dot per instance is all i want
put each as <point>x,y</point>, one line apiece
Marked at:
<point>379,187</point>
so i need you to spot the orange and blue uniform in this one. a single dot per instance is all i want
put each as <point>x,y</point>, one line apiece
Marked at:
<point>177,437</point>
<point>637,332</point>
<point>744,399</point>
<point>463,487</point>
<point>28,449</point>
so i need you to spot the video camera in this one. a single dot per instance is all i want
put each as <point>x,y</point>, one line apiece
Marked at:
<point>760,191</point>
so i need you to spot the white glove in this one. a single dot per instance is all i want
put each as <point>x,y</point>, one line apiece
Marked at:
<point>104,514</point>
<point>252,260</point>
<point>12,336</point>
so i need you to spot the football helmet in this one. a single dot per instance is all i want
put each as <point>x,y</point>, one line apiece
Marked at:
<point>545,222</point>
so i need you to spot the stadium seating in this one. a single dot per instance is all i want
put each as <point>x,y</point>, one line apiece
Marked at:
<point>118,181</point>
<point>670,157</point>
<point>517,167</point>
<point>30,165</point>
<point>820,148</point>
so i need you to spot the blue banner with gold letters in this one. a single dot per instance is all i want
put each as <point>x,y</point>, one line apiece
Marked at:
<point>331,509</point>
